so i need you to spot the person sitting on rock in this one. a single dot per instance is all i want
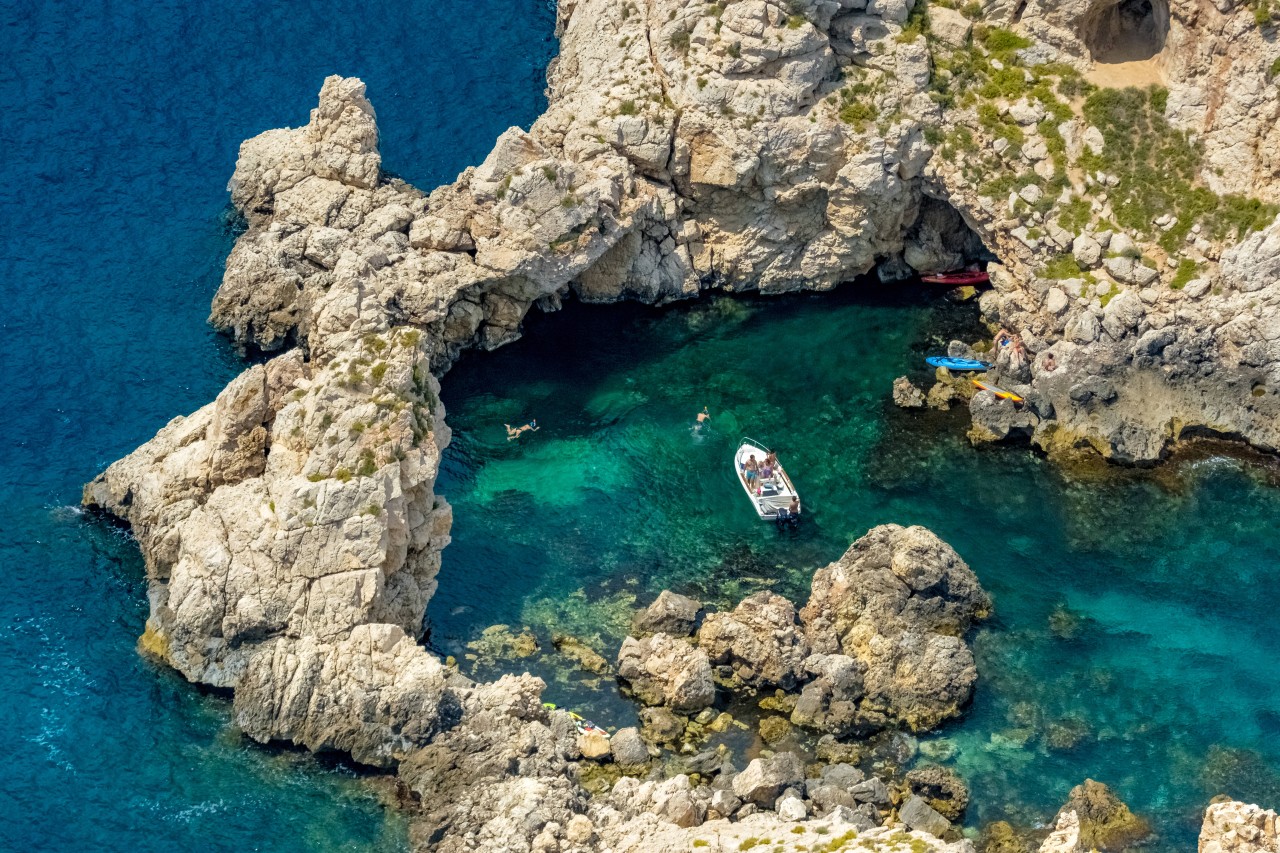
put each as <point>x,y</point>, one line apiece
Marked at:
<point>1049,364</point>
<point>514,432</point>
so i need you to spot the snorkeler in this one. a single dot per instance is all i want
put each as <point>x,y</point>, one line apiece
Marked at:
<point>703,417</point>
<point>514,432</point>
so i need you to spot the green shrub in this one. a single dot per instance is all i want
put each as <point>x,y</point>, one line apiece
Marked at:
<point>549,173</point>
<point>316,477</point>
<point>1075,215</point>
<point>1062,266</point>
<point>1186,271</point>
<point>1009,82</point>
<point>342,475</point>
<point>378,371</point>
<point>998,40</point>
<point>1273,70</point>
<point>628,108</point>
<point>680,41</point>
<point>858,113</point>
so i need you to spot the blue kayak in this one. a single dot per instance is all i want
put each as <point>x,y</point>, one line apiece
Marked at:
<point>956,363</point>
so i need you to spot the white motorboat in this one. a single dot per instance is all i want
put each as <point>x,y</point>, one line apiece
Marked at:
<point>769,494</point>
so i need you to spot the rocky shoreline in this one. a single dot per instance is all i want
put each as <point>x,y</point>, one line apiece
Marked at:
<point>291,529</point>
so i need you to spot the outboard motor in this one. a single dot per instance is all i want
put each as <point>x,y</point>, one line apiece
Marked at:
<point>785,520</point>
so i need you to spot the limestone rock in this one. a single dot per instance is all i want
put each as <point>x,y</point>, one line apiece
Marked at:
<point>766,778</point>
<point>669,613</point>
<point>628,747</point>
<point>1065,837</point>
<point>899,602</point>
<point>917,814</point>
<point>760,639</point>
<point>664,670</point>
<point>1234,827</point>
<point>941,789</point>
<point>1105,822</point>
<point>907,395</point>
<point>950,26</point>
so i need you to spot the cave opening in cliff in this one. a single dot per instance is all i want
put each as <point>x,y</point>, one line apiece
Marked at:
<point>1128,31</point>
<point>938,240</point>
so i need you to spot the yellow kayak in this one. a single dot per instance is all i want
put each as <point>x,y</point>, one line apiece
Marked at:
<point>999,392</point>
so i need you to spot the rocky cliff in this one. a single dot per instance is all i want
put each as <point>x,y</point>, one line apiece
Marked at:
<point>291,530</point>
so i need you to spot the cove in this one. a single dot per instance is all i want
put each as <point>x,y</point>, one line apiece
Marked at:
<point>122,126</point>
<point>1130,641</point>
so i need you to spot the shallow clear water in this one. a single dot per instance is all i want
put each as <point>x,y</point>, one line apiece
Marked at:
<point>1131,641</point>
<point>121,126</point>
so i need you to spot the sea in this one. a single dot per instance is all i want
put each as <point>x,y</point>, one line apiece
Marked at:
<point>1130,641</point>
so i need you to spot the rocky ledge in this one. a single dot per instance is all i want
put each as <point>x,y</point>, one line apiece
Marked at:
<point>291,529</point>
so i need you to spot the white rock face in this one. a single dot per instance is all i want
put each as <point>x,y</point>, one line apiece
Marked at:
<point>1234,827</point>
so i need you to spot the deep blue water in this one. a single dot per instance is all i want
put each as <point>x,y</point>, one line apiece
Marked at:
<point>121,122</point>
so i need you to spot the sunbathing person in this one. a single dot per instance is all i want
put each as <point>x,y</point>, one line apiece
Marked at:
<point>514,432</point>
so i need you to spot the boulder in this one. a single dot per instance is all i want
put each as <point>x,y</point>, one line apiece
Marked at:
<point>906,395</point>
<point>829,702</point>
<point>1234,827</point>
<point>1106,823</point>
<point>628,747</point>
<point>765,779</point>
<point>593,746</point>
<point>941,788</point>
<point>760,639</point>
<point>899,603</point>
<point>872,791</point>
<point>950,26</point>
<point>1086,251</point>
<point>665,670</point>
<point>1065,837</point>
<point>670,613</point>
<point>917,814</point>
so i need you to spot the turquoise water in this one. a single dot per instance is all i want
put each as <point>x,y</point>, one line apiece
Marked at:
<point>120,130</point>
<point>1131,641</point>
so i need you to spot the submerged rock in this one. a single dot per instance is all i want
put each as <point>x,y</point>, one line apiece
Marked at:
<point>941,788</point>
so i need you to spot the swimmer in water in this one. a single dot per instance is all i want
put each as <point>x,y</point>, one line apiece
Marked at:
<point>514,432</point>
<point>703,417</point>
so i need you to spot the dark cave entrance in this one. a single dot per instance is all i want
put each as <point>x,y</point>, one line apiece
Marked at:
<point>939,240</point>
<point>1128,31</point>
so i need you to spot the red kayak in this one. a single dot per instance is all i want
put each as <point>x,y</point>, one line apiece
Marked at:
<point>958,278</point>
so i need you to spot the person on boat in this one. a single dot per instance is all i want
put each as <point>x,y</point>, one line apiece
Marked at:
<point>794,509</point>
<point>771,460</point>
<point>766,470</point>
<point>514,432</point>
<point>751,471</point>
